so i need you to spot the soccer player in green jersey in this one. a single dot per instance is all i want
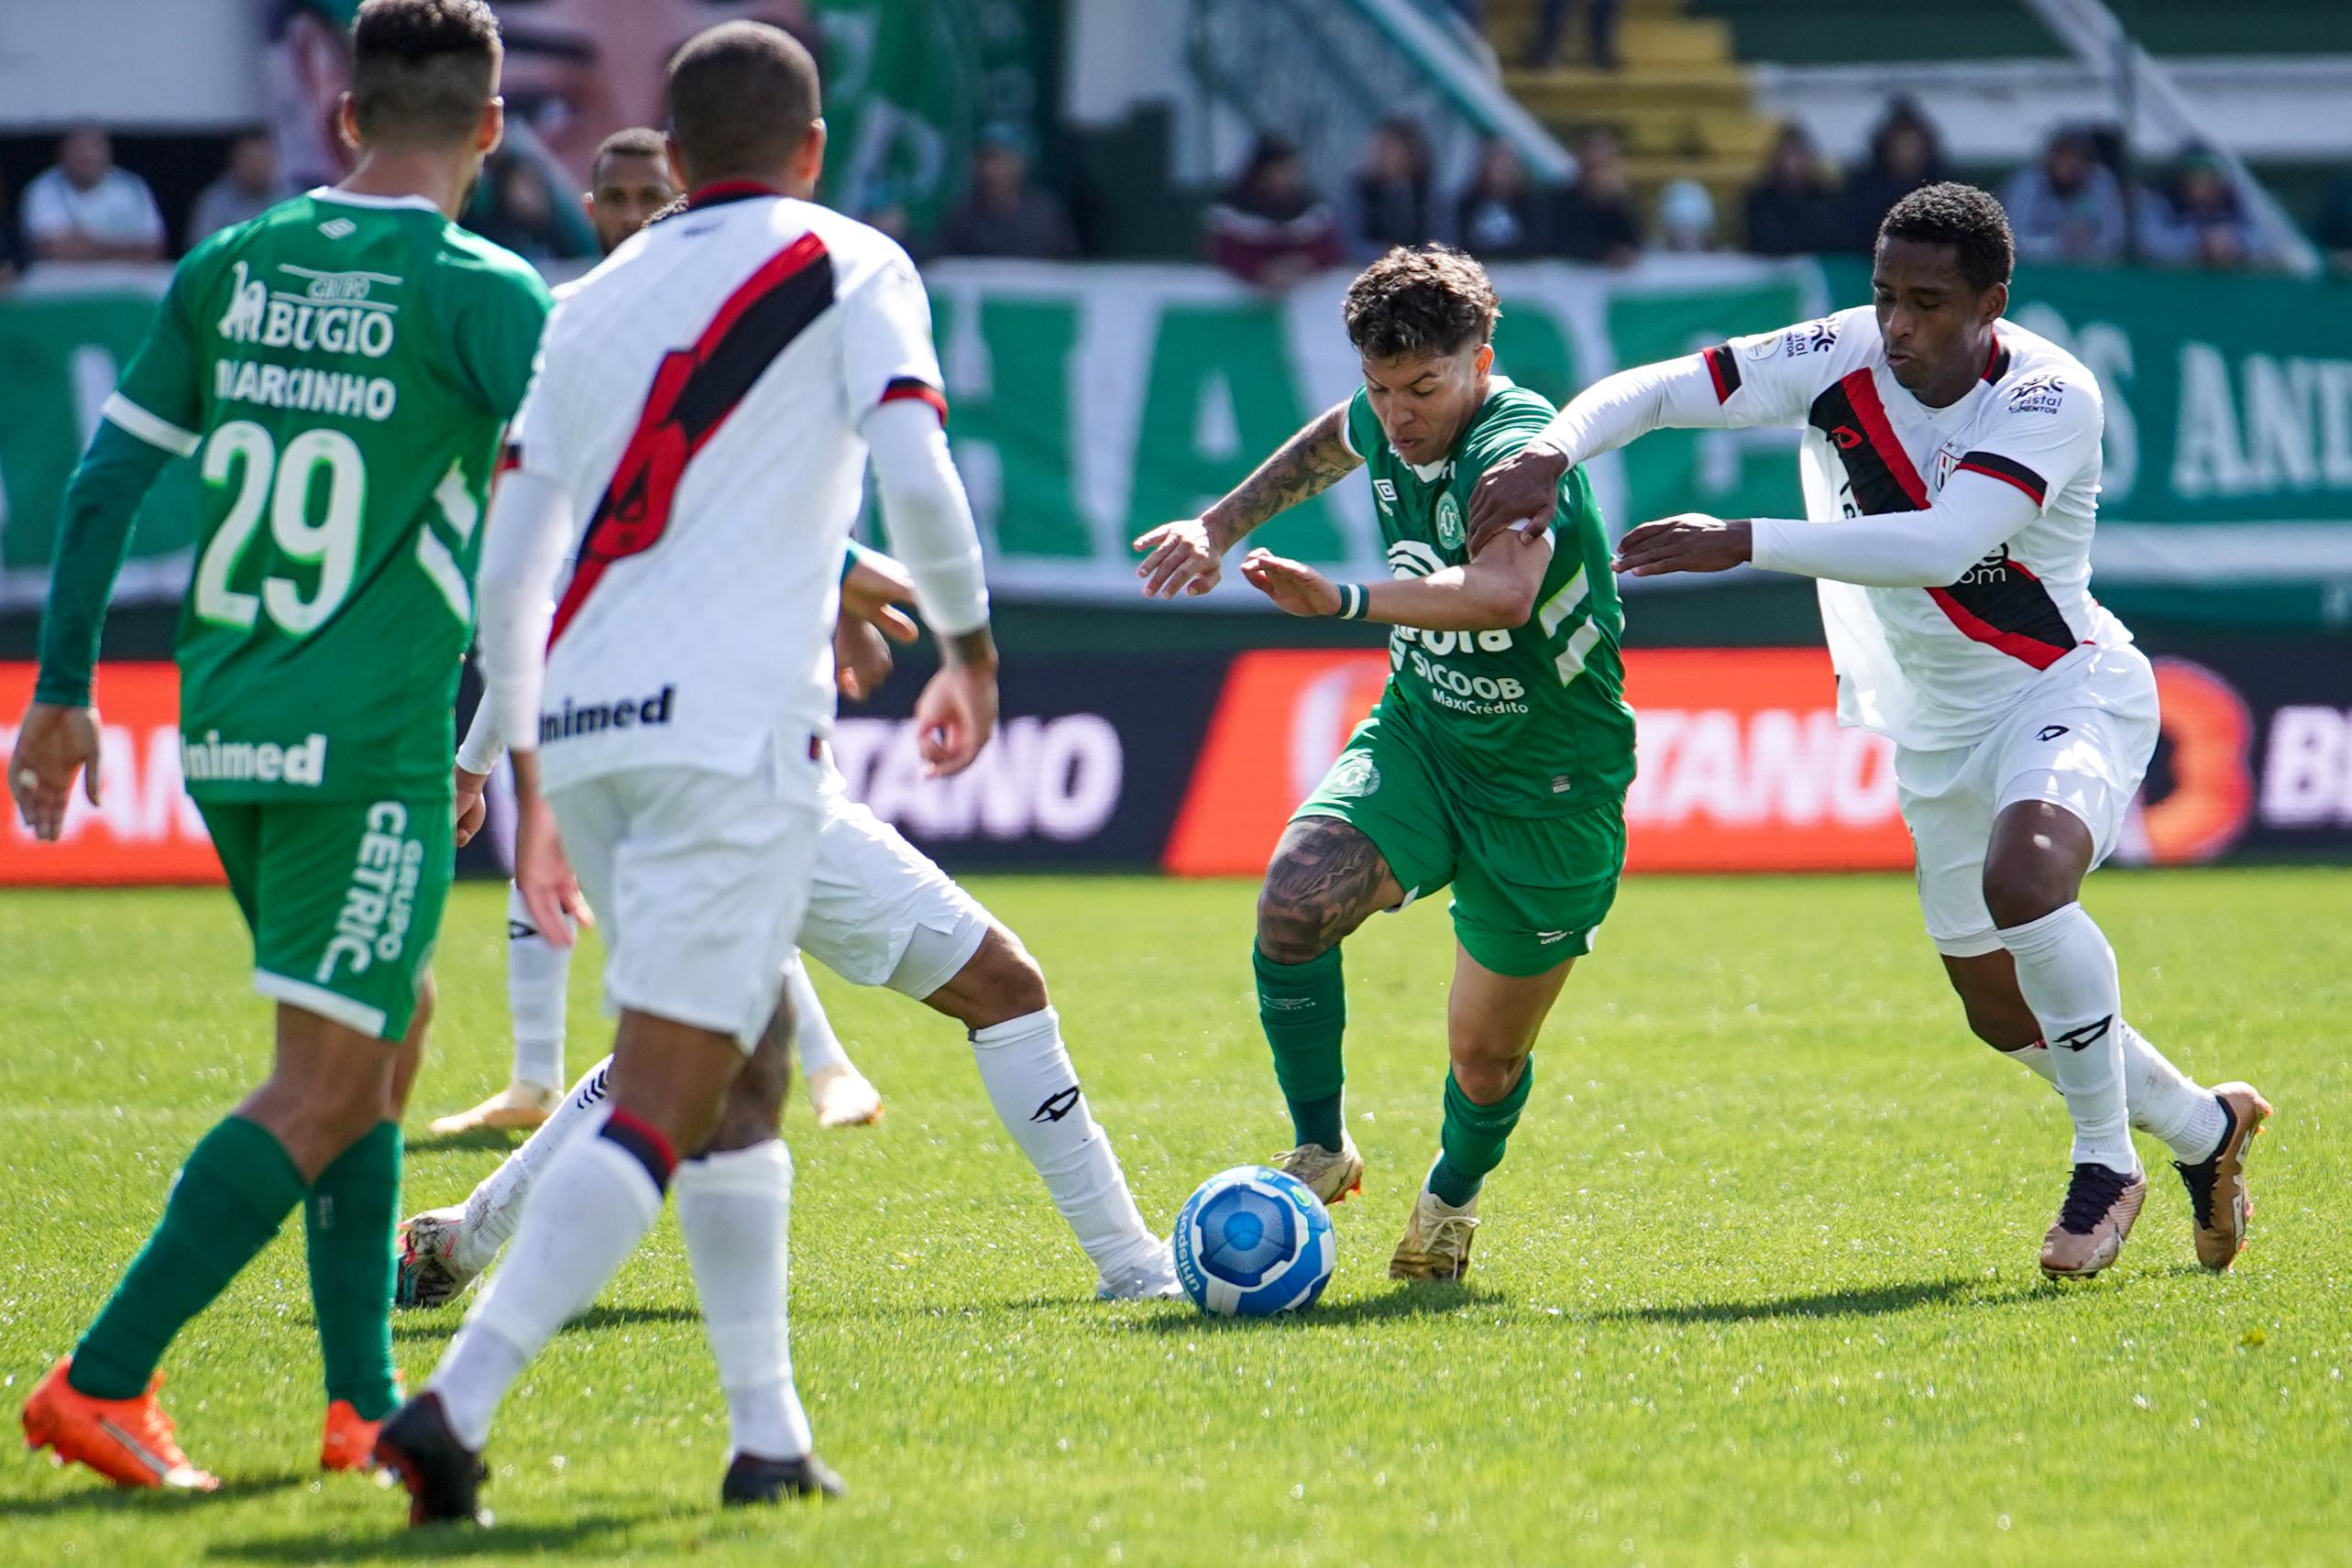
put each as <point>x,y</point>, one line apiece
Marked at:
<point>341,368</point>
<point>1496,761</point>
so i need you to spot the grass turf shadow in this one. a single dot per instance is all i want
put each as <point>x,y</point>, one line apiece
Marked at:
<point>428,1323</point>
<point>400,1543</point>
<point>149,1499</point>
<point>1419,1300</point>
<point>1855,1301</point>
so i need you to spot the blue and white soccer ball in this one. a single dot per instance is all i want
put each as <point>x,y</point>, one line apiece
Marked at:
<point>1253,1240</point>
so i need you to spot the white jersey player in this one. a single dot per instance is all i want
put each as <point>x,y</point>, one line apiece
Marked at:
<point>1951,464</point>
<point>880,914</point>
<point>695,440</point>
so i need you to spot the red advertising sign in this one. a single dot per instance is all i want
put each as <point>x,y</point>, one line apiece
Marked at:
<point>143,828</point>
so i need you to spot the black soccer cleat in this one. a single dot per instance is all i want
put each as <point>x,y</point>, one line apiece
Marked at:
<point>444,1477</point>
<point>750,1479</point>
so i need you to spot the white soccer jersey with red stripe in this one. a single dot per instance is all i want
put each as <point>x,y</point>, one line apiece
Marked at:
<point>1936,667</point>
<point>698,400</point>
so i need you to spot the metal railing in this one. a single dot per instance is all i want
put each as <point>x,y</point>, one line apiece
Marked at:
<point>1325,73</point>
<point>2145,88</point>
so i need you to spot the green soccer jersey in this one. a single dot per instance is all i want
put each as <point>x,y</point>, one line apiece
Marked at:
<point>342,368</point>
<point>1529,722</point>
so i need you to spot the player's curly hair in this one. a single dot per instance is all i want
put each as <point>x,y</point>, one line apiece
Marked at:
<point>1429,298</point>
<point>423,71</point>
<point>1969,219</point>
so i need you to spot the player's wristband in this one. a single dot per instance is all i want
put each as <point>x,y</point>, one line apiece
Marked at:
<point>1351,601</point>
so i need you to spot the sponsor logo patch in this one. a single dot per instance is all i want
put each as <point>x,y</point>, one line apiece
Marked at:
<point>380,904</point>
<point>215,761</point>
<point>574,719</point>
<point>2041,393</point>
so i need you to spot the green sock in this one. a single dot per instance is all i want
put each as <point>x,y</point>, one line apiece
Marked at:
<point>1304,1010</point>
<point>227,1202</point>
<point>1474,1137</point>
<point>352,1209</point>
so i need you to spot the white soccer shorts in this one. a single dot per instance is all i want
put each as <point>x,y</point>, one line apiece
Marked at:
<point>700,880</point>
<point>879,912</point>
<point>2080,738</point>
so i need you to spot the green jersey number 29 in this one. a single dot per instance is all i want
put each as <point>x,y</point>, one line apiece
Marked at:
<point>286,487</point>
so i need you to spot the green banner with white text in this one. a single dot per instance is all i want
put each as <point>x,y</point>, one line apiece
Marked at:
<point>1089,404</point>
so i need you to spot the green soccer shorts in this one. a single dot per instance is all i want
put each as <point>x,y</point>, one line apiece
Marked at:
<point>1528,892</point>
<point>343,899</point>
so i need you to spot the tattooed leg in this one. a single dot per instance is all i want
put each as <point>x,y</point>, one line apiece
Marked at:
<point>1325,879</point>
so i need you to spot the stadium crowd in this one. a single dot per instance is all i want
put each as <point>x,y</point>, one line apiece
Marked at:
<point>2078,203</point>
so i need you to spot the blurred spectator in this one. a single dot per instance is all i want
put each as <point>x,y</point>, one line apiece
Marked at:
<point>1686,217</point>
<point>1905,154</point>
<point>1594,219</point>
<point>1392,188</point>
<point>1500,216</point>
<point>2069,206</point>
<point>12,258</point>
<point>1270,227</point>
<point>85,209</point>
<point>1795,209</point>
<point>2334,223</point>
<point>249,187</point>
<point>1003,214</point>
<point>521,215</point>
<point>2198,220</point>
<point>1600,33</point>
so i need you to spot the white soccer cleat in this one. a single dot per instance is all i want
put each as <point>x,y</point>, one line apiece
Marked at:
<point>519,1107</point>
<point>1148,1276</point>
<point>843,1098</point>
<point>1330,1174</point>
<point>430,1273</point>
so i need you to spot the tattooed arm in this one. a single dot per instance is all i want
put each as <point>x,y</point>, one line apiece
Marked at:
<point>1189,557</point>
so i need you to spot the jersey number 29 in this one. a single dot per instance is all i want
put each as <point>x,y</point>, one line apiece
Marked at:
<point>283,486</point>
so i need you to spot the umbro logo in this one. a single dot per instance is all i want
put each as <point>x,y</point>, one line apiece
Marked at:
<point>2087,1036</point>
<point>1056,1106</point>
<point>2050,733</point>
<point>1386,492</point>
<point>339,228</point>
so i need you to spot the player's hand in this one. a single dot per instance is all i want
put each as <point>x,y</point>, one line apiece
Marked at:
<point>862,658</point>
<point>1691,541</point>
<point>471,806</point>
<point>52,745</point>
<point>543,873</point>
<point>1295,586</point>
<point>1523,489</point>
<point>1180,557</point>
<point>873,592</point>
<point>954,717</point>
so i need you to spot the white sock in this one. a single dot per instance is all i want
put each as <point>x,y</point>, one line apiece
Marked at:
<point>599,1202</point>
<point>1034,1089</point>
<point>537,977</point>
<point>2167,1105</point>
<point>813,1040</point>
<point>2162,1101</point>
<point>2034,1058</point>
<point>495,1207</point>
<point>2066,972</point>
<point>736,1211</point>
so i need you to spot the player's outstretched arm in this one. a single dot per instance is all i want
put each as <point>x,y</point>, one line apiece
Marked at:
<point>1495,592</point>
<point>59,736</point>
<point>1698,391</point>
<point>1188,556</point>
<point>1925,549</point>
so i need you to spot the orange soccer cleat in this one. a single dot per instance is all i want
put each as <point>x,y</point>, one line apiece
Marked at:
<point>128,1441</point>
<point>349,1442</point>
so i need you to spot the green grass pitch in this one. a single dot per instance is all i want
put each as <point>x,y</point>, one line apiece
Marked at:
<point>1756,1283</point>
